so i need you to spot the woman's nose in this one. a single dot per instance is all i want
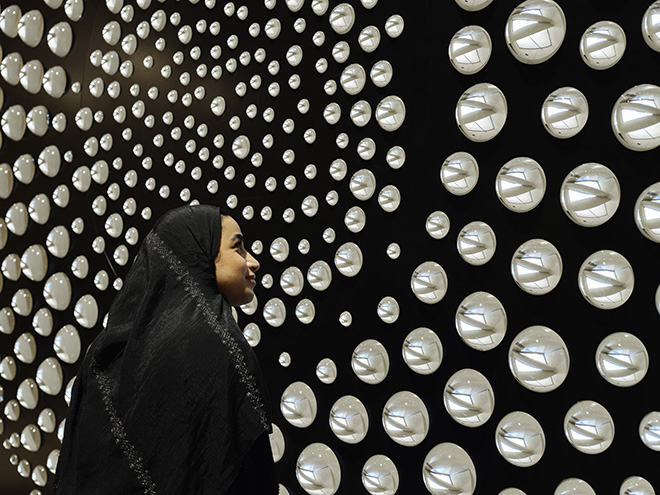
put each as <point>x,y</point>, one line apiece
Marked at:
<point>253,264</point>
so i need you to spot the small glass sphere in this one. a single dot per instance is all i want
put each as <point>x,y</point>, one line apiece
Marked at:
<point>437,224</point>
<point>370,362</point>
<point>380,476</point>
<point>602,45</point>
<point>606,279</point>
<point>481,321</point>
<point>348,259</point>
<point>635,118</point>
<point>469,398</point>
<point>589,427</point>
<point>520,184</point>
<point>274,312</point>
<point>318,470</point>
<point>406,419</point>
<point>349,420</point>
<point>449,470</point>
<point>319,275</point>
<point>646,208</point>
<point>535,31</point>
<point>326,371</point>
<point>539,359</point>
<point>649,430</point>
<point>363,184</point>
<point>520,439</point>
<point>536,267</point>
<point>298,405</point>
<point>590,194</point>
<point>459,173</point>
<point>476,243</point>
<point>636,485</point>
<point>470,48</point>
<point>622,359</point>
<point>565,112</point>
<point>422,351</point>
<point>486,123</point>
<point>429,282</point>
<point>473,5</point>
<point>574,486</point>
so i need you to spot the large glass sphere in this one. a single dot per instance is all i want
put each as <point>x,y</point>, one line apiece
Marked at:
<point>437,224</point>
<point>539,359</point>
<point>602,45</point>
<point>470,49</point>
<point>589,427</point>
<point>622,359</point>
<point>422,351</point>
<point>536,267</point>
<point>635,118</point>
<point>349,420</point>
<point>520,439</point>
<point>535,30</point>
<point>481,321</point>
<point>636,485</point>
<point>459,173</point>
<point>651,26</point>
<point>298,404</point>
<point>590,194</point>
<point>348,259</point>
<point>370,361</point>
<point>318,470</point>
<point>649,430</point>
<point>380,476</point>
<point>469,398</point>
<point>511,491</point>
<point>406,419</point>
<point>606,279</point>
<point>647,212</point>
<point>574,486</point>
<point>520,184</point>
<point>481,112</point>
<point>448,470</point>
<point>429,282</point>
<point>476,243</point>
<point>565,112</point>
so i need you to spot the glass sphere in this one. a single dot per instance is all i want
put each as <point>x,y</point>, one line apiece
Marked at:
<point>635,119</point>
<point>388,309</point>
<point>429,282</point>
<point>622,359</point>
<point>590,194</point>
<point>647,207</point>
<point>473,5</point>
<point>298,404</point>
<point>470,49</point>
<point>539,359</point>
<point>318,470</point>
<point>348,259</point>
<point>649,430</point>
<point>481,112</point>
<point>574,486</point>
<point>606,279</point>
<point>422,351</point>
<point>536,266</point>
<point>380,476</point>
<point>589,427</point>
<point>520,184</point>
<point>535,31</point>
<point>326,371</point>
<point>481,321</point>
<point>469,398</point>
<point>476,243</point>
<point>370,361</point>
<point>459,173</point>
<point>636,485</point>
<point>520,439</point>
<point>602,45</point>
<point>349,420</point>
<point>437,224</point>
<point>274,312</point>
<point>651,26</point>
<point>448,470</point>
<point>511,491</point>
<point>406,419</point>
<point>565,112</point>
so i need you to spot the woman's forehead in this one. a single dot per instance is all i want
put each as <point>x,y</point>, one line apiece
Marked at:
<point>230,227</point>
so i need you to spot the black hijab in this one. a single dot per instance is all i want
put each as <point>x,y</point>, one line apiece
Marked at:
<point>169,398</point>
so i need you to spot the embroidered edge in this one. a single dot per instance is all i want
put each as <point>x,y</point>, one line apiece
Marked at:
<point>245,376</point>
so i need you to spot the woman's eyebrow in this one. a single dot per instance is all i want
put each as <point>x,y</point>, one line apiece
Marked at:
<point>236,237</point>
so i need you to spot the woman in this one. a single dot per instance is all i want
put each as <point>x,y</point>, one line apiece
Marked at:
<point>170,398</point>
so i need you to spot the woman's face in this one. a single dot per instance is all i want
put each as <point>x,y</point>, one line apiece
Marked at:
<point>235,267</point>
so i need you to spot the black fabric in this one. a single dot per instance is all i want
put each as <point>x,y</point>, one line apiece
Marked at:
<point>169,398</point>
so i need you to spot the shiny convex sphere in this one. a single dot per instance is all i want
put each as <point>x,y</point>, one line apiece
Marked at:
<point>520,184</point>
<point>622,359</point>
<point>590,194</point>
<point>602,45</point>
<point>651,26</point>
<point>406,419</point>
<point>459,173</point>
<point>476,243</point>
<point>298,404</point>
<point>635,118</point>
<point>449,470</point>
<point>565,112</point>
<point>636,485</point>
<point>349,420</point>
<point>649,430</point>
<point>326,371</point>
<point>469,398</point>
<point>520,439</point>
<point>606,279</point>
<point>470,49</point>
<point>437,224</point>
<point>348,259</point>
<point>536,266</point>
<point>588,427</point>
<point>422,351</point>
<point>318,470</point>
<point>473,5</point>
<point>539,359</point>
<point>380,476</point>
<point>481,321</point>
<point>370,361</point>
<point>429,282</point>
<point>481,112</point>
<point>574,486</point>
<point>535,31</point>
<point>647,207</point>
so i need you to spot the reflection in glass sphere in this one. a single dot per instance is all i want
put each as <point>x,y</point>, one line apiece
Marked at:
<point>57,291</point>
<point>481,112</point>
<point>448,470</point>
<point>590,194</point>
<point>298,404</point>
<point>481,321</point>
<point>406,419</point>
<point>370,361</point>
<point>636,485</point>
<point>476,243</point>
<point>649,430</point>
<point>539,359</point>
<point>459,173</point>
<point>292,281</point>
<point>390,113</point>
<point>319,275</point>
<point>535,30</point>
<point>305,311</point>
<point>470,48</point>
<point>602,45</point>
<point>349,420</point>
<point>565,112</point>
<point>651,26</point>
<point>520,184</point>
<point>473,5</point>
<point>622,359</point>
<point>437,224</point>
<point>326,371</point>
<point>520,439</point>
<point>469,398</point>
<point>422,351</point>
<point>536,266</point>
<point>589,427</point>
<point>318,470</point>
<point>606,279</point>
<point>574,486</point>
<point>380,476</point>
<point>388,309</point>
<point>348,259</point>
<point>429,282</point>
<point>647,212</point>
<point>274,312</point>
<point>635,120</point>
<point>363,184</point>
